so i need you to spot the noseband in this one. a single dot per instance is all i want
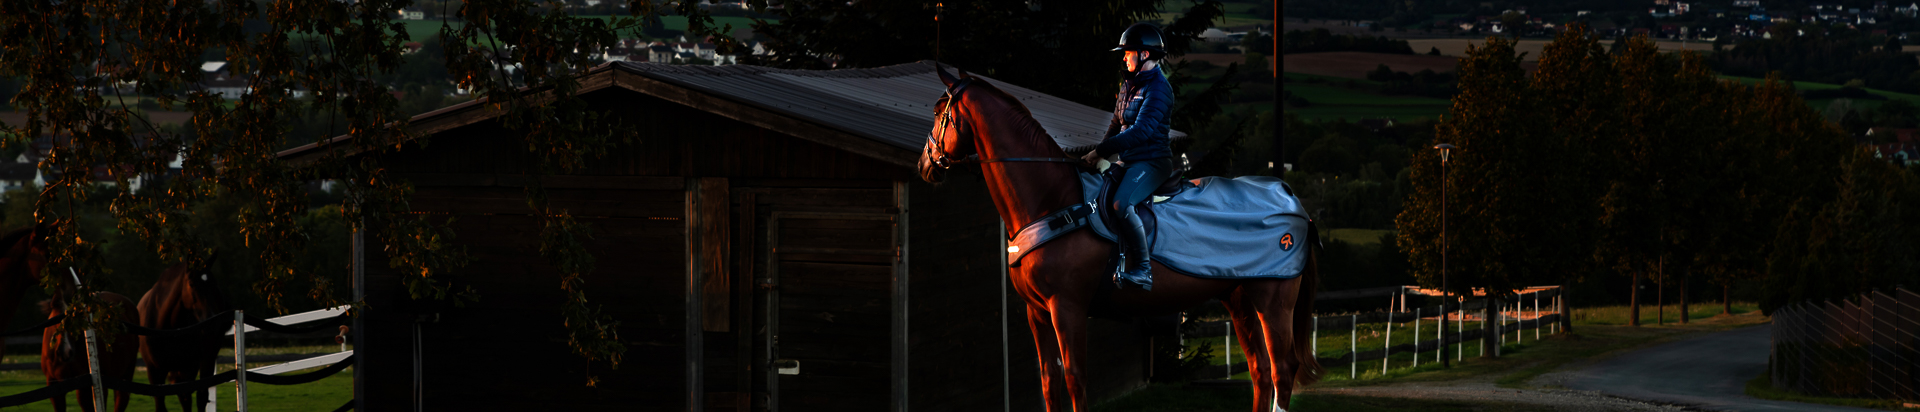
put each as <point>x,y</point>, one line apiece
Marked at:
<point>946,118</point>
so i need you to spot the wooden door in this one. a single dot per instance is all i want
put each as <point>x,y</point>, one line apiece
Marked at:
<point>828,310</point>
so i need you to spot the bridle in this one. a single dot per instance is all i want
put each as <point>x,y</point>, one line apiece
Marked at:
<point>946,119</point>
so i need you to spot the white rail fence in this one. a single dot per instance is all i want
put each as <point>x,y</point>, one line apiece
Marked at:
<point>1539,309</point>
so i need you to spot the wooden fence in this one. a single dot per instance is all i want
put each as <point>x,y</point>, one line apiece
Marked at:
<point>1867,347</point>
<point>1540,309</point>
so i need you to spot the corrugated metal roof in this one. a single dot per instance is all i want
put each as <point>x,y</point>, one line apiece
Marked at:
<point>892,105</point>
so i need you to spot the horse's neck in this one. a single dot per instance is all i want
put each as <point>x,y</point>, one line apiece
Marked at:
<point>1024,191</point>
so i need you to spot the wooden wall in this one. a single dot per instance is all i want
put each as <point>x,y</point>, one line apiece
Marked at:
<point>954,316</point>
<point>507,351</point>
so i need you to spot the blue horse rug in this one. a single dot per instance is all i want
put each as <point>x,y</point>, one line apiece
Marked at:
<point>1241,228</point>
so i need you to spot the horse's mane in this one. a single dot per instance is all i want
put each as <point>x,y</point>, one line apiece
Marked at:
<point>13,238</point>
<point>1010,111</point>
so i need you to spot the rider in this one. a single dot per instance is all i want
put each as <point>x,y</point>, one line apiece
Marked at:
<point>1138,133</point>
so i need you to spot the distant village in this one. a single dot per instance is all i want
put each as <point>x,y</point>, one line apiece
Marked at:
<point>1680,20</point>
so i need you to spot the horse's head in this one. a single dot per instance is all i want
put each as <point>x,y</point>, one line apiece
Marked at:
<point>950,140</point>
<point>201,282</point>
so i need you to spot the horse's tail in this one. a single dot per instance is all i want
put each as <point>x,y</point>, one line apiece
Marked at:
<point>1308,370</point>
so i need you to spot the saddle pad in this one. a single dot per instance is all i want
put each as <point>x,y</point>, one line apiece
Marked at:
<point>1246,227</point>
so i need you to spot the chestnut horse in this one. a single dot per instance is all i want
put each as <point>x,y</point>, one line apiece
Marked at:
<point>62,358</point>
<point>184,296</point>
<point>1028,176</point>
<point>20,267</point>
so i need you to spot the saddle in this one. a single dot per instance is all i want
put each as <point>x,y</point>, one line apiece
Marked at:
<point>1110,179</point>
<point>1219,228</point>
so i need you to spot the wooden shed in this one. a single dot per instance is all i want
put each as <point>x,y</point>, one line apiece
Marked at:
<point>764,242</point>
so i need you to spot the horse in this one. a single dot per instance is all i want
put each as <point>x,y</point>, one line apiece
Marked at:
<point>185,295</point>
<point>1028,176</point>
<point>61,358</point>
<point>20,267</point>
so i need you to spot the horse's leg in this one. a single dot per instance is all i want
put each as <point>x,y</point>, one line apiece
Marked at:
<point>1070,329</point>
<point>60,402</point>
<point>1248,331</point>
<point>1273,301</point>
<point>1048,349</point>
<point>157,377</point>
<point>120,400</point>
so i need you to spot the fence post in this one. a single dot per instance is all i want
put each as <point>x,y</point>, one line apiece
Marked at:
<point>1386,349</point>
<point>1460,328</point>
<point>1536,316</point>
<point>1416,337</point>
<point>240,360</point>
<point>93,367</point>
<point>1353,368</point>
<point>1229,353</point>
<point>1315,337</point>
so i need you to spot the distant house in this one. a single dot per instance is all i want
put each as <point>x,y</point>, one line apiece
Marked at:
<point>226,86</point>
<point>412,14</point>
<point>411,47</point>
<point>17,175</point>
<point>661,53</point>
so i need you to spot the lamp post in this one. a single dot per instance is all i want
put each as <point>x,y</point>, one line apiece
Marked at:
<point>1445,150</point>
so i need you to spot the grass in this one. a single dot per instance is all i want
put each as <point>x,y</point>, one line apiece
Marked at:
<point>325,394</point>
<point>1617,315</point>
<point>1762,387</point>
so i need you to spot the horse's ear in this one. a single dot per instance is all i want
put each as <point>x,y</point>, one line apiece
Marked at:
<point>963,73</point>
<point>944,77</point>
<point>211,256</point>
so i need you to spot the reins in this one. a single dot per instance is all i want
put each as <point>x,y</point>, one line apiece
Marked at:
<point>946,118</point>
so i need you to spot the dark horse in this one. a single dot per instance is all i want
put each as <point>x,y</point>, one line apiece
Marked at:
<point>1059,281</point>
<point>185,295</point>
<point>60,357</point>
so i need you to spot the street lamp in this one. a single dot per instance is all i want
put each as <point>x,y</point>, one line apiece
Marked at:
<point>1445,150</point>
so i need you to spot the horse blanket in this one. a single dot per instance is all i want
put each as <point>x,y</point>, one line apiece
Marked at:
<point>1240,228</point>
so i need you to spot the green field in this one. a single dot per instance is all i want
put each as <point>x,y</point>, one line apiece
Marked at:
<point>1333,99</point>
<point>323,395</point>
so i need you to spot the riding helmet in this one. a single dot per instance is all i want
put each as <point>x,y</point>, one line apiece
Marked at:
<point>1143,37</point>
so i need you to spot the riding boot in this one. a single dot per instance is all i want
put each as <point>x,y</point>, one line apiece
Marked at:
<point>1134,265</point>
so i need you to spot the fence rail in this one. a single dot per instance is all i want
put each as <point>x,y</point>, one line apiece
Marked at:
<point>1538,308</point>
<point>238,327</point>
<point>1867,347</point>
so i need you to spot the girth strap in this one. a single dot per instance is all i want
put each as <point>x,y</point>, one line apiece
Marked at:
<point>976,159</point>
<point>1046,228</point>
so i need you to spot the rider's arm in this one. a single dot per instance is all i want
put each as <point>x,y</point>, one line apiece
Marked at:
<point>1154,105</point>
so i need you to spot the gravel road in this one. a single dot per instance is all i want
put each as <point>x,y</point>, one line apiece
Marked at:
<point>1708,371</point>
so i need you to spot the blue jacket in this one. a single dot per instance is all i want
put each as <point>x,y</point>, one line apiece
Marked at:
<point>1139,127</point>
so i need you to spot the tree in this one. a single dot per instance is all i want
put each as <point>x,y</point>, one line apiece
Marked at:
<point>1513,198</point>
<point>1435,51</point>
<point>336,51</point>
